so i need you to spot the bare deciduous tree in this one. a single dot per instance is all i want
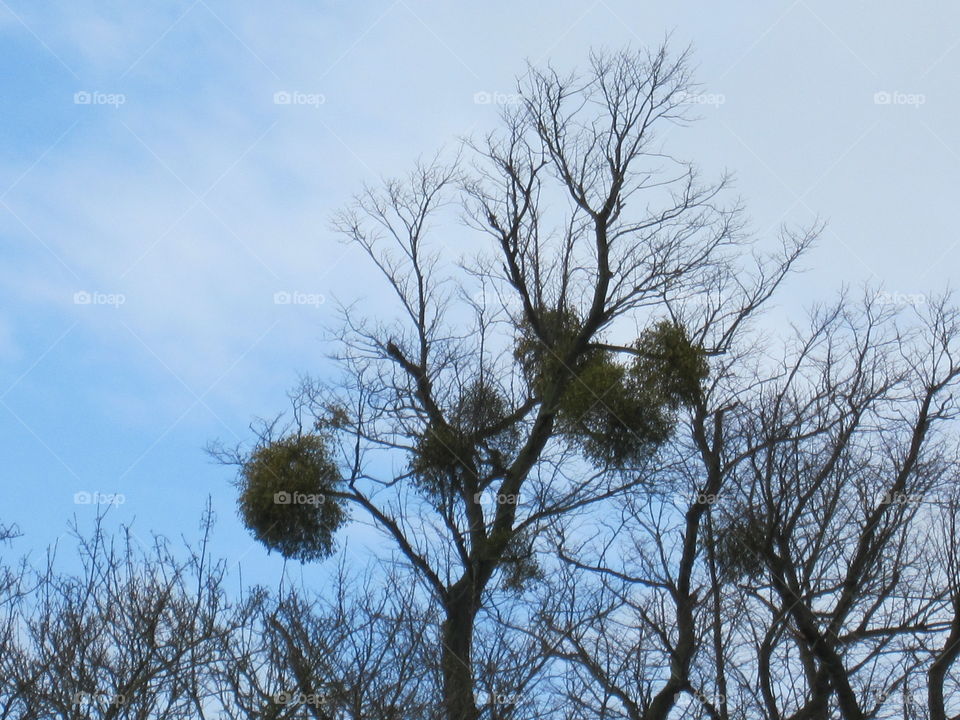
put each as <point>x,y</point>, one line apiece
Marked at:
<point>131,636</point>
<point>819,584</point>
<point>552,399</point>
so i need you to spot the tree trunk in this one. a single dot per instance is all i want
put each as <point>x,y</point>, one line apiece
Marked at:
<point>457,634</point>
<point>938,670</point>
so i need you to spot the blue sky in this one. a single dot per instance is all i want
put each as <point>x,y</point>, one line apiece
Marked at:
<point>155,196</point>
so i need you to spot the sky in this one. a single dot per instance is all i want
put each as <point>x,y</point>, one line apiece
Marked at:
<point>168,171</point>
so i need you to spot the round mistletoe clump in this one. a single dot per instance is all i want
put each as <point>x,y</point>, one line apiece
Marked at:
<point>286,497</point>
<point>740,546</point>
<point>474,436</point>
<point>669,363</point>
<point>615,420</point>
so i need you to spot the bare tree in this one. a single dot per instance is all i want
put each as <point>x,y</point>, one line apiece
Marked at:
<point>640,605</point>
<point>813,588</point>
<point>852,447</point>
<point>359,651</point>
<point>131,636</point>
<point>537,374</point>
<point>942,674</point>
<point>618,491</point>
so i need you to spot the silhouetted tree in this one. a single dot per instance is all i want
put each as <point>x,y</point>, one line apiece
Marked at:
<point>786,560</point>
<point>131,635</point>
<point>539,360</point>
